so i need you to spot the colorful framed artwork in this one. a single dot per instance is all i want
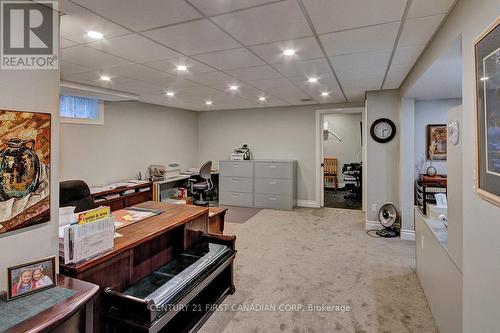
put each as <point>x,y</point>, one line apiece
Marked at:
<point>436,142</point>
<point>31,277</point>
<point>24,169</point>
<point>487,90</point>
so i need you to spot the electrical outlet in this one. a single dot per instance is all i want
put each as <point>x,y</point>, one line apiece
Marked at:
<point>422,241</point>
<point>374,208</point>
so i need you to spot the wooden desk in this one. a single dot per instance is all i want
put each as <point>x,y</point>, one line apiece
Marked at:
<point>145,246</point>
<point>216,218</point>
<point>74,314</point>
<point>142,192</point>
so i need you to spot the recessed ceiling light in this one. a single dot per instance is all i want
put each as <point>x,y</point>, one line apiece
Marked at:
<point>289,52</point>
<point>262,99</point>
<point>233,87</point>
<point>95,34</point>
<point>208,102</point>
<point>170,93</point>
<point>105,78</point>
<point>325,94</point>
<point>484,78</point>
<point>312,80</point>
<point>182,68</point>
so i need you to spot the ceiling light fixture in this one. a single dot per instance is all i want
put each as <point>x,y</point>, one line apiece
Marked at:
<point>95,34</point>
<point>182,68</point>
<point>289,52</point>
<point>325,94</point>
<point>208,102</point>
<point>262,99</point>
<point>234,87</point>
<point>105,78</point>
<point>170,93</point>
<point>484,78</point>
<point>312,80</point>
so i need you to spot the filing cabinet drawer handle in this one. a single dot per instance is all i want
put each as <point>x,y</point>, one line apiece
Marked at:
<point>235,180</point>
<point>272,166</point>
<point>235,195</point>
<point>272,183</point>
<point>272,198</point>
<point>236,165</point>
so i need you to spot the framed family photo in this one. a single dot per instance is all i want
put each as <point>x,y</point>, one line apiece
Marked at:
<point>487,117</point>
<point>31,277</point>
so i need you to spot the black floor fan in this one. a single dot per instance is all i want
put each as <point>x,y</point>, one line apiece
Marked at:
<point>388,217</point>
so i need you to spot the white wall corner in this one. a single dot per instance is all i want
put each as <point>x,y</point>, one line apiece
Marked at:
<point>370,225</point>
<point>408,235</point>
<point>308,203</point>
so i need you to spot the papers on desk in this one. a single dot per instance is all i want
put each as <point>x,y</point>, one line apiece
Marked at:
<point>83,241</point>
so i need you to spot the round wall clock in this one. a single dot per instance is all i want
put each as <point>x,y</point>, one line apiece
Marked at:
<point>453,132</point>
<point>383,130</point>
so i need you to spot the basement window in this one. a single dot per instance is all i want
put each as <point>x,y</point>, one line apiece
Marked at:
<point>81,110</point>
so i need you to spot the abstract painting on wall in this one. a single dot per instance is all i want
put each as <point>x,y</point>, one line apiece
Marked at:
<point>487,67</point>
<point>24,169</point>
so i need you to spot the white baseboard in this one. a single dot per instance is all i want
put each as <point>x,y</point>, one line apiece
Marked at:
<point>408,235</point>
<point>373,225</point>
<point>308,203</point>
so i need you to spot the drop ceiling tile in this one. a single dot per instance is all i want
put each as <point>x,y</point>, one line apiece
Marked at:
<point>362,79</point>
<point>78,21</point>
<point>211,78</point>
<point>326,83</point>
<point>68,68</point>
<point>230,59</point>
<point>141,72</point>
<point>396,75</point>
<point>116,83</point>
<point>305,68</point>
<point>143,14</point>
<point>170,66</point>
<point>379,37</point>
<point>355,95</point>
<point>91,58</point>
<point>270,23</point>
<point>244,91</point>
<point>335,15</point>
<point>305,48</point>
<point>193,37</point>
<point>213,7</point>
<point>360,60</point>
<point>254,73</point>
<point>421,8</point>
<point>134,48</point>
<point>281,88</point>
<point>65,43</point>
<point>419,30</point>
<point>407,54</point>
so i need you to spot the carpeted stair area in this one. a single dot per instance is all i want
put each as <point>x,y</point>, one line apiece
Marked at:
<point>320,257</point>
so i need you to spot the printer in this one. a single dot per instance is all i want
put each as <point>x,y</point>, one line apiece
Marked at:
<point>164,171</point>
<point>240,154</point>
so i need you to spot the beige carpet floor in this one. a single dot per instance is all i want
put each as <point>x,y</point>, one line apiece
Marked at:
<point>320,257</point>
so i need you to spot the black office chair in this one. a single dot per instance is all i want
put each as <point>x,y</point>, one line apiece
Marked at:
<point>203,186</point>
<point>75,193</point>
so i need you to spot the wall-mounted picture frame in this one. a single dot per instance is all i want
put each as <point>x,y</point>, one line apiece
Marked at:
<point>24,169</point>
<point>487,112</point>
<point>31,277</point>
<point>437,136</point>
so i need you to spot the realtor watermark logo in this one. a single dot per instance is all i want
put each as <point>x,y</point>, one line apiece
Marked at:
<point>29,34</point>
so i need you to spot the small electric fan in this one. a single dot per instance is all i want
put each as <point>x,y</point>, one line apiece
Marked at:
<point>388,217</point>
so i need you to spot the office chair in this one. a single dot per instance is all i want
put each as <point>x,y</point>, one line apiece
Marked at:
<point>75,193</point>
<point>203,186</point>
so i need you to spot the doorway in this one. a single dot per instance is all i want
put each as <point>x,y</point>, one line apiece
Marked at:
<point>341,157</point>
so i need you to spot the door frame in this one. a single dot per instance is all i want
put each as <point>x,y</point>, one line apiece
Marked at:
<point>320,116</point>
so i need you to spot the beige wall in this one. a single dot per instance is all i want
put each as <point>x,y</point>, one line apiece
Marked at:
<point>285,132</point>
<point>481,223</point>
<point>134,135</point>
<point>347,127</point>
<point>382,158</point>
<point>38,91</point>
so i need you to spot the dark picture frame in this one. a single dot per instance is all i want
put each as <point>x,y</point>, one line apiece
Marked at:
<point>32,277</point>
<point>437,133</point>
<point>487,112</point>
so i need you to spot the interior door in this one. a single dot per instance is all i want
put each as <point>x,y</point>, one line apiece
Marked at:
<point>322,160</point>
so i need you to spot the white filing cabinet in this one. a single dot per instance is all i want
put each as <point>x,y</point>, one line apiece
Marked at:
<point>258,183</point>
